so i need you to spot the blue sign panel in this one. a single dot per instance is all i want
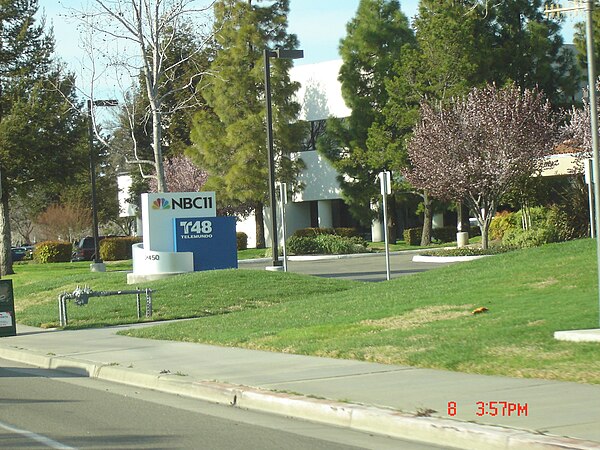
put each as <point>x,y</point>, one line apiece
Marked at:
<point>212,240</point>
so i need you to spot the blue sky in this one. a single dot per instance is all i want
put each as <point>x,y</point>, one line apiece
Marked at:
<point>319,25</point>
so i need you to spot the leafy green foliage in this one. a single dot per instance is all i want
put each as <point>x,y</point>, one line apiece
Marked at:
<point>229,135</point>
<point>502,222</point>
<point>375,38</point>
<point>326,244</point>
<point>340,231</point>
<point>241,240</point>
<point>117,248</point>
<point>533,237</point>
<point>412,236</point>
<point>41,133</point>
<point>52,252</point>
<point>528,50</point>
<point>469,251</point>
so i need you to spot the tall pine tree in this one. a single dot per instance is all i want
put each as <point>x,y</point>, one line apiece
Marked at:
<point>39,129</point>
<point>529,51</point>
<point>374,42</point>
<point>229,135</point>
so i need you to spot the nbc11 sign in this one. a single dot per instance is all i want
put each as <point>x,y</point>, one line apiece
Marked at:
<point>159,210</point>
<point>212,240</point>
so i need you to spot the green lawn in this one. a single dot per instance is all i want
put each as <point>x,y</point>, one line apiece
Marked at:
<point>421,320</point>
<point>425,320</point>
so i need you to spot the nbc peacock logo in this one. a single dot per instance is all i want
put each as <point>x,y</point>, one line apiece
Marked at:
<point>161,203</point>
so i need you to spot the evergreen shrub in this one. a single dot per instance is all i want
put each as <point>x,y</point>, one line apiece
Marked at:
<point>501,223</point>
<point>326,244</point>
<point>340,231</point>
<point>302,245</point>
<point>241,240</point>
<point>52,251</point>
<point>534,237</point>
<point>117,248</point>
<point>412,236</point>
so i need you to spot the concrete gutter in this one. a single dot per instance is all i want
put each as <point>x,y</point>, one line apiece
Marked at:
<point>438,431</point>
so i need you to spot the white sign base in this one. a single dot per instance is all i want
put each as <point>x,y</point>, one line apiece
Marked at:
<point>148,262</point>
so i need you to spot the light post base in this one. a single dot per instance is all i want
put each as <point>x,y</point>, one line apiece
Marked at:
<point>98,267</point>
<point>462,239</point>
<point>274,268</point>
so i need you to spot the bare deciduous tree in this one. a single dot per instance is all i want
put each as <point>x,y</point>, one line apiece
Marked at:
<point>67,222</point>
<point>137,38</point>
<point>479,147</point>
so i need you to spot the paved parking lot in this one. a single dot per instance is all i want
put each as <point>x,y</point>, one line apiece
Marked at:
<point>357,267</point>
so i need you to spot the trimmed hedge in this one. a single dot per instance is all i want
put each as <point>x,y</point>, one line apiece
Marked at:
<point>117,248</point>
<point>412,236</point>
<point>312,232</point>
<point>241,240</point>
<point>52,251</point>
<point>325,244</point>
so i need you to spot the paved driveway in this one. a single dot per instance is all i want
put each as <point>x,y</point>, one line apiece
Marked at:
<point>361,267</point>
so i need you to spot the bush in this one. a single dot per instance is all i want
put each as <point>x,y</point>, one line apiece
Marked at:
<point>117,248</point>
<point>412,236</point>
<point>327,244</point>
<point>444,234</point>
<point>302,245</point>
<point>346,232</point>
<point>501,223</point>
<point>312,232</point>
<point>565,224</point>
<point>468,251</point>
<point>339,245</point>
<point>518,238</point>
<point>52,251</point>
<point>241,240</point>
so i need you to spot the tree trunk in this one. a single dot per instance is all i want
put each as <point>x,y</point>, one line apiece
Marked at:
<point>157,144</point>
<point>5,237</point>
<point>484,234</point>
<point>427,219</point>
<point>260,226</point>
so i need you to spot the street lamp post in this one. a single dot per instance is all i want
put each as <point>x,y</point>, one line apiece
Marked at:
<point>98,265</point>
<point>268,54</point>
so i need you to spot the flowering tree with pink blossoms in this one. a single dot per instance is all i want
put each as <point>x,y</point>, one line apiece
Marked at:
<point>479,147</point>
<point>182,175</point>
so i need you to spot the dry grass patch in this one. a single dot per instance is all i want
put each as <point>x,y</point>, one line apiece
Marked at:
<point>528,352</point>
<point>421,316</point>
<point>544,284</point>
<point>392,354</point>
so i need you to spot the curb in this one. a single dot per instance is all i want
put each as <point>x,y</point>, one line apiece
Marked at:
<point>327,257</point>
<point>446,259</point>
<point>437,431</point>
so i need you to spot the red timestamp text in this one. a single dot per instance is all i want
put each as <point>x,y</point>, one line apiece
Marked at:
<point>494,408</point>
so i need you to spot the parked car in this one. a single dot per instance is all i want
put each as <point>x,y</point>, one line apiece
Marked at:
<point>84,250</point>
<point>18,253</point>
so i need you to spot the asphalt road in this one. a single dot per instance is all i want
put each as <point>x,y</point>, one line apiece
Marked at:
<point>361,268</point>
<point>49,409</point>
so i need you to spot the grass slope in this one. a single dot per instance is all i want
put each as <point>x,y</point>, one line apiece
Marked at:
<point>425,319</point>
<point>37,287</point>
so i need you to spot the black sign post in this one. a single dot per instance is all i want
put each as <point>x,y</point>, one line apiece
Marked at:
<point>8,325</point>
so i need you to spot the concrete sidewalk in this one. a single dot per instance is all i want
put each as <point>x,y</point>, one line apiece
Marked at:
<point>399,401</point>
